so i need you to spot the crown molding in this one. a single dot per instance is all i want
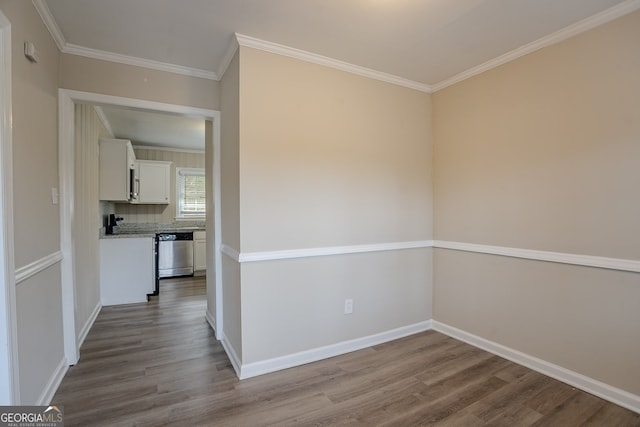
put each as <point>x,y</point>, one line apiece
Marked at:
<point>303,55</point>
<point>589,23</point>
<point>73,49</point>
<point>598,19</point>
<point>50,23</point>
<point>232,48</point>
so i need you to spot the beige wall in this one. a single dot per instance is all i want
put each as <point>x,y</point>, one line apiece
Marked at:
<point>35,149</point>
<point>229,154</point>
<point>289,306</point>
<point>583,319</point>
<point>36,218</point>
<point>159,213</point>
<point>40,347</point>
<point>230,205</point>
<point>542,153</point>
<point>111,78</point>
<point>328,158</point>
<point>87,219</point>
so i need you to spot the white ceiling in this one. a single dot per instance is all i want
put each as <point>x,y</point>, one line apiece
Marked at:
<point>426,44</point>
<point>154,129</point>
<point>425,41</point>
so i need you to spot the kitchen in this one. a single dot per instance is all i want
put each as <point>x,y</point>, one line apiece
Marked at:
<point>151,191</point>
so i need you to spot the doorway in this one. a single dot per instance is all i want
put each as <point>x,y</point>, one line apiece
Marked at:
<point>67,100</point>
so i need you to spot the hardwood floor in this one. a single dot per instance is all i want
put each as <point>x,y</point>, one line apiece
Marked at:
<point>159,364</point>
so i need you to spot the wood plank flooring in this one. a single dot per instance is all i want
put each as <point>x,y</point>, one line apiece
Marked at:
<point>158,364</point>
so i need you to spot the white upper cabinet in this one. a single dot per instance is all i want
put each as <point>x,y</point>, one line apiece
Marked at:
<point>154,182</point>
<point>117,161</point>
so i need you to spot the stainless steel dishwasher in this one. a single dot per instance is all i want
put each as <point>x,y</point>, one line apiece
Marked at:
<point>175,254</point>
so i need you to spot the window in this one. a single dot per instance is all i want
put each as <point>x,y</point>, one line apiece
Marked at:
<point>190,193</point>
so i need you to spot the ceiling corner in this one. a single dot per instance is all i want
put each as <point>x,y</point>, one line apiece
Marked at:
<point>579,27</point>
<point>232,47</point>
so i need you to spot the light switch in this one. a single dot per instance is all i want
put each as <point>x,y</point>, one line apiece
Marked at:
<point>54,196</point>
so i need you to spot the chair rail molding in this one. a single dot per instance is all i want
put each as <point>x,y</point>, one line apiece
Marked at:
<point>322,251</point>
<point>538,255</point>
<point>35,267</point>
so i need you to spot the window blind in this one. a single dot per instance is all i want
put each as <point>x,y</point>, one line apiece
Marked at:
<point>190,185</point>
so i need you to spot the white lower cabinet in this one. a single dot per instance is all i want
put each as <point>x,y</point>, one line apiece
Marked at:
<point>199,251</point>
<point>127,270</point>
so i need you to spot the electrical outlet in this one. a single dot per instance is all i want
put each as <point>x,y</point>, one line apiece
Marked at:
<point>348,306</point>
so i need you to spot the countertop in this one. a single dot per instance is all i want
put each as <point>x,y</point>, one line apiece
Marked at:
<point>149,230</point>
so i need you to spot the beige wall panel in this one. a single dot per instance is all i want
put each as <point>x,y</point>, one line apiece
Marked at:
<point>543,152</point>
<point>581,318</point>
<point>230,207</point>
<point>233,305</point>
<point>129,81</point>
<point>229,155</point>
<point>35,135</point>
<point>87,218</point>
<point>39,318</point>
<point>294,305</point>
<point>329,158</point>
<point>159,213</point>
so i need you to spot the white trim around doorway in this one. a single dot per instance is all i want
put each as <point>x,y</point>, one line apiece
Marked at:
<point>9,373</point>
<point>67,99</point>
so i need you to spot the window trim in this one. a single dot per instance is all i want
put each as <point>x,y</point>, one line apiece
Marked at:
<point>180,172</point>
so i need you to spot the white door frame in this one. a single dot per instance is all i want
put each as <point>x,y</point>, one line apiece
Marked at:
<point>66,101</point>
<point>9,373</point>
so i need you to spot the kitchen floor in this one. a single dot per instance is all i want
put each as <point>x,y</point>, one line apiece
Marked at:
<point>158,363</point>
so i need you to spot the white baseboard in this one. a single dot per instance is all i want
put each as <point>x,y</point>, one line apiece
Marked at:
<point>228,348</point>
<point>53,384</point>
<point>232,355</point>
<point>590,385</point>
<point>313,355</point>
<point>211,319</point>
<point>88,324</point>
